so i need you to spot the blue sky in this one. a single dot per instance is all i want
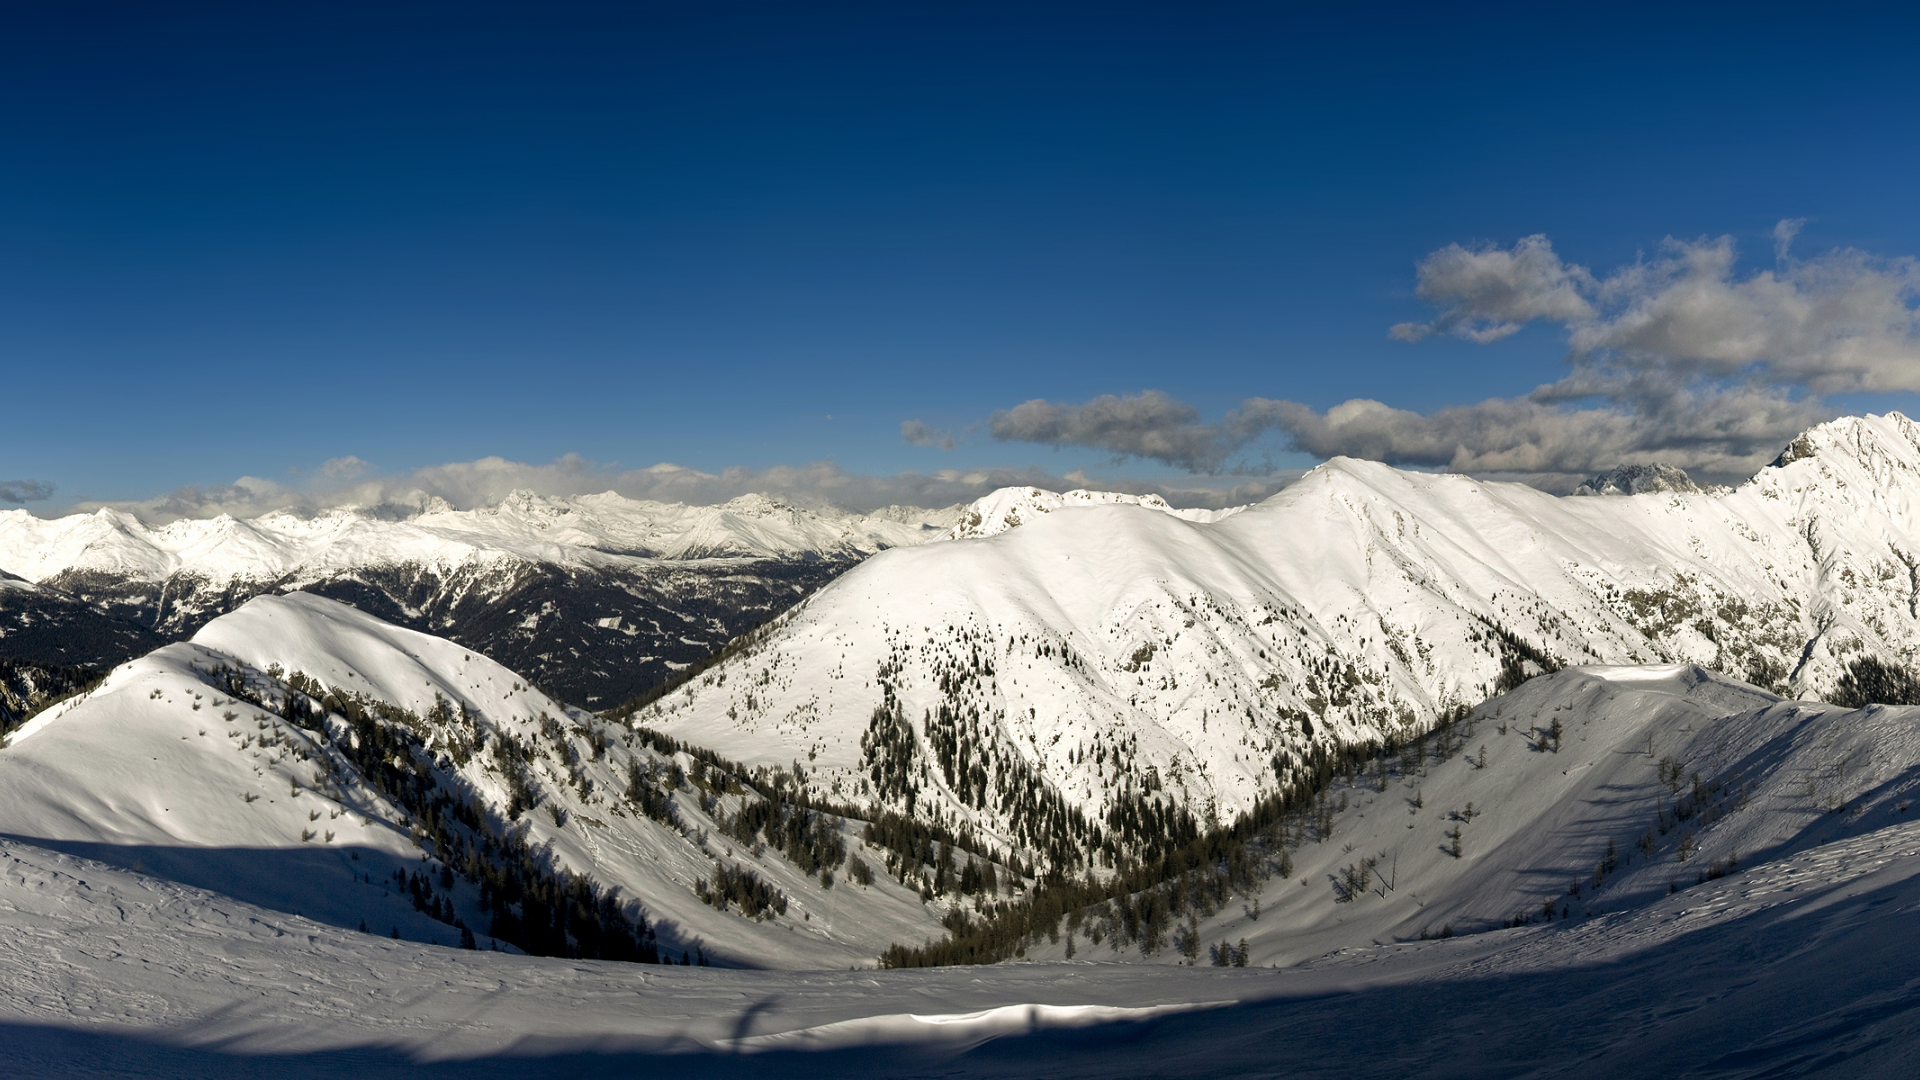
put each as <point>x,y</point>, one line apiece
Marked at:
<point>244,239</point>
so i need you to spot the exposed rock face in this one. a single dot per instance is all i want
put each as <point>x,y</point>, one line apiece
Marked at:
<point>1640,479</point>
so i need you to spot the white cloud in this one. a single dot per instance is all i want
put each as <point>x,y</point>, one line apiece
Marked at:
<point>1838,322</point>
<point>1486,294</point>
<point>342,468</point>
<point>1721,434</point>
<point>1783,234</point>
<point>1841,322</point>
<point>1680,358</point>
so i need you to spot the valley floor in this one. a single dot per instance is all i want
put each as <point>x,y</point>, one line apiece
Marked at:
<point>1799,966</point>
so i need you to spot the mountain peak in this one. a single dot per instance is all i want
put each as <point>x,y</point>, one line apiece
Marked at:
<point>1010,507</point>
<point>1640,480</point>
<point>1860,437</point>
<point>754,504</point>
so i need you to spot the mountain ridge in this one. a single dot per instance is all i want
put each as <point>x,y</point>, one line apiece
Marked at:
<point>296,749</point>
<point>1204,664</point>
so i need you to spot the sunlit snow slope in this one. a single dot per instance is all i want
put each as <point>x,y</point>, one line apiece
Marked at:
<point>1114,653</point>
<point>187,763</point>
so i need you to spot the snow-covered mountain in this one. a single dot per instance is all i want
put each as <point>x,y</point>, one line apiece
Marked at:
<point>303,755</point>
<point>582,530</point>
<point>1009,508</point>
<point>1658,871</point>
<point>1642,480</point>
<point>596,597</point>
<point>1101,658</point>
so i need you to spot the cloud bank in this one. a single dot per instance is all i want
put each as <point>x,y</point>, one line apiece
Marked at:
<point>1148,425</point>
<point>25,491</point>
<point>1678,358</point>
<point>352,483</point>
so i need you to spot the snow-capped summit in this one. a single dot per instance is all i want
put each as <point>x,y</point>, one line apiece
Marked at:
<point>1638,479</point>
<point>596,596</point>
<point>587,530</point>
<point>1203,662</point>
<point>1011,507</point>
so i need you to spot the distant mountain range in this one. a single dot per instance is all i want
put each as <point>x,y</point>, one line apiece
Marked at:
<point>596,597</point>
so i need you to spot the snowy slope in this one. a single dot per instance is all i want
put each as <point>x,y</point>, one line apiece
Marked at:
<point>1664,777</point>
<point>1780,971</point>
<point>163,767</point>
<point>1009,508</point>
<point>1109,653</point>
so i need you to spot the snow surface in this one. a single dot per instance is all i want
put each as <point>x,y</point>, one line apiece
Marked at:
<point>145,922</point>
<point>1781,970</point>
<point>1361,603</point>
<point>1710,774</point>
<point>1762,888</point>
<point>157,768</point>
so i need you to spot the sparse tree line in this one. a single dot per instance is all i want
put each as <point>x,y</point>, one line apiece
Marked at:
<point>541,909</point>
<point>777,810</point>
<point>1181,870</point>
<point>29,687</point>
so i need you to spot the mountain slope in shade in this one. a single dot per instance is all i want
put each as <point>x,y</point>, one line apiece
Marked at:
<point>1114,654</point>
<point>188,763</point>
<point>48,625</point>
